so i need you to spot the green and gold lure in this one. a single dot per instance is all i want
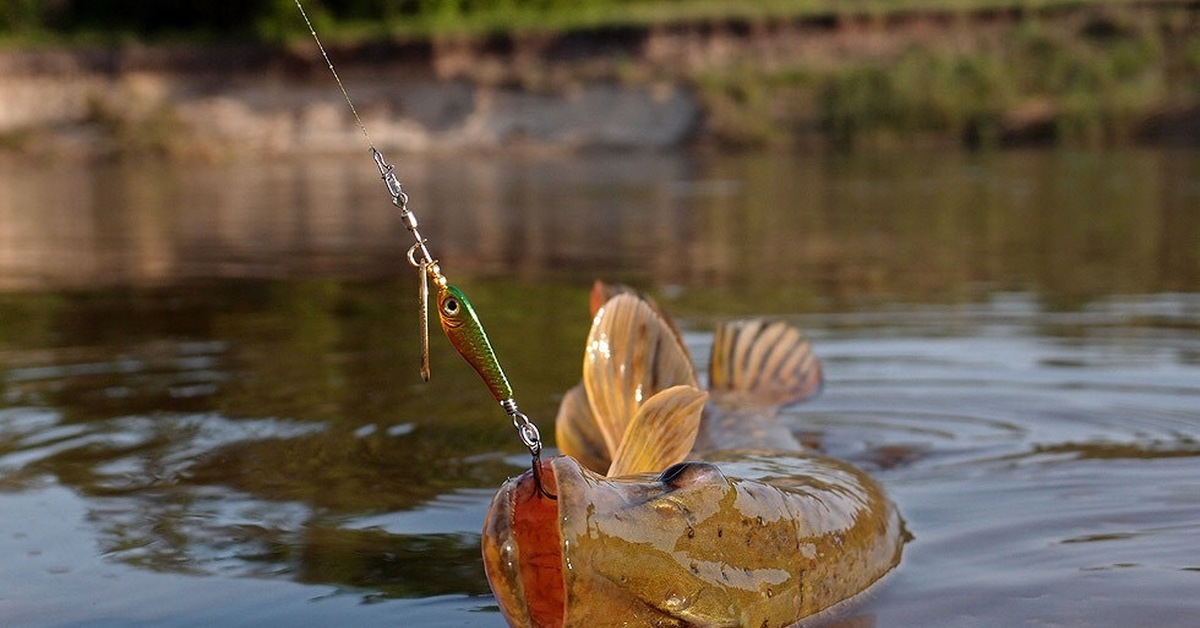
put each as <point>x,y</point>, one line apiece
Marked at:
<point>461,326</point>
<point>465,332</point>
<point>455,312</point>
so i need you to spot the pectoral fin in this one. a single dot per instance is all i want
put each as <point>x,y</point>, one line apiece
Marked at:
<point>577,433</point>
<point>755,362</point>
<point>661,433</point>
<point>631,354</point>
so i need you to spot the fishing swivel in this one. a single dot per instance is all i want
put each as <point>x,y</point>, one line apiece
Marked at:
<point>387,172</point>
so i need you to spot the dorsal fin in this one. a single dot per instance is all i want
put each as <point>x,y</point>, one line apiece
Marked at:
<point>755,362</point>
<point>631,354</point>
<point>602,292</point>
<point>661,433</point>
<point>577,434</point>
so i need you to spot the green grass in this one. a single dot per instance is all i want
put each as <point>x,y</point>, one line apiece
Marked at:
<point>352,21</point>
<point>551,17</point>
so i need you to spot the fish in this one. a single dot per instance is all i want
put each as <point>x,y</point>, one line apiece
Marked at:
<point>679,506</point>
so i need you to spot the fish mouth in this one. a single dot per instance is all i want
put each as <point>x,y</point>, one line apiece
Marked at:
<point>593,548</point>
<point>523,549</point>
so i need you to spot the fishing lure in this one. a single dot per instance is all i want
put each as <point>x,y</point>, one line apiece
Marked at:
<point>458,319</point>
<point>461,325</point>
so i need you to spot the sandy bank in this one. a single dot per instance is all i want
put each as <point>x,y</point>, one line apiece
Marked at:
<point>252,100</point>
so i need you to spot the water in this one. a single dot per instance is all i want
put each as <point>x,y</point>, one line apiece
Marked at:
<point>210,408</point>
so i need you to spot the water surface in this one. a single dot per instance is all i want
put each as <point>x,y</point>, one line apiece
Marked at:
<point>210,409</point>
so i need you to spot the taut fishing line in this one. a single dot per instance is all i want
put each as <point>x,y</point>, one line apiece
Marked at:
<point>313,31</point>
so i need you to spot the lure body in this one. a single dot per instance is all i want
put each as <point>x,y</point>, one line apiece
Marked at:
<point>466,333</point>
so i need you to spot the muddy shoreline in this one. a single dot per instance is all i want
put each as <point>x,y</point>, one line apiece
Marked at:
<point>769,82</point>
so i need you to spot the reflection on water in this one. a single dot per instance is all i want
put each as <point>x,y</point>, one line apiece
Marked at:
<point>210,411</point>
<point>263,429</point>
<point>792,229</point>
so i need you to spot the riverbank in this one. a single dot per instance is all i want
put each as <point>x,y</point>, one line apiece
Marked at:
<point>1081,75</point>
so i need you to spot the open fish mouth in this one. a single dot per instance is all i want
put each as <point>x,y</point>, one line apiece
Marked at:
<point>592,553</point>
<point>534,548</point>
<point>523,550</point>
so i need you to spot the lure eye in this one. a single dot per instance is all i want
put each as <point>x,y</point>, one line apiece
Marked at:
<point>684,474</point>
<point>450,306</point>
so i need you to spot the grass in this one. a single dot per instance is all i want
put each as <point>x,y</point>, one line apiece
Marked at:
<point>519,18</point>
<point>349,22</point>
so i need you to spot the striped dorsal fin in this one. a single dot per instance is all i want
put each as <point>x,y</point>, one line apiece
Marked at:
<point>762,363</point>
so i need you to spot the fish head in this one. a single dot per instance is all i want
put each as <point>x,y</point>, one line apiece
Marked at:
<point>653,549</point>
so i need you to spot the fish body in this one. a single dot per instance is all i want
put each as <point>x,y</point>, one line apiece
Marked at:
<point>750,530</point>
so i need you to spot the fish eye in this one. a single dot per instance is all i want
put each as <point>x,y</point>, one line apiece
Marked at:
<point>450,306</point>
<point>686,473</point>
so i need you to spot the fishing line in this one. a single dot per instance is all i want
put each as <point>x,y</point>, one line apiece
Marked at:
<point>312,31</point>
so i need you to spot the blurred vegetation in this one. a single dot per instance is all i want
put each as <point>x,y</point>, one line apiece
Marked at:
<point>348,20</point>
<point>1091,82</point>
